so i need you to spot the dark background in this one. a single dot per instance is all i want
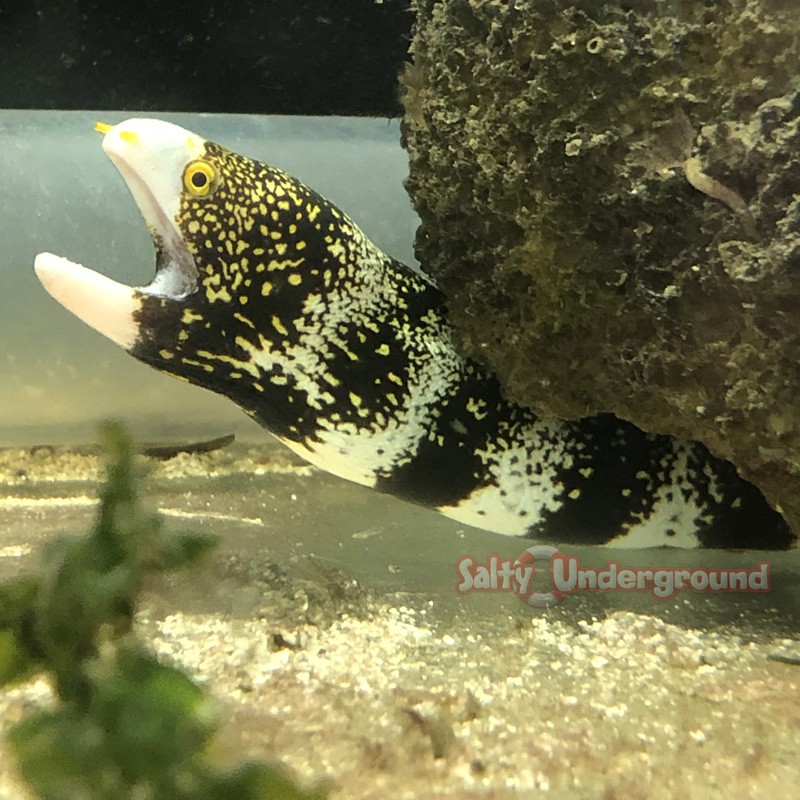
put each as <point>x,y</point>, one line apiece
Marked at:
<point>253,56</point>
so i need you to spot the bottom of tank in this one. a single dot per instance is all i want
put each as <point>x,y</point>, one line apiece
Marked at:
<point>329,627</point>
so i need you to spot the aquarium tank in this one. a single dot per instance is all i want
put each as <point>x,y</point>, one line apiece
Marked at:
<point>399,397</point>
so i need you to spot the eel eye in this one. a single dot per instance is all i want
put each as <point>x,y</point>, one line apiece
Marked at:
<point>198,177</point>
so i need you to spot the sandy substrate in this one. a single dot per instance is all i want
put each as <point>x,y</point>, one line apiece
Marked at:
<point>329,630</point>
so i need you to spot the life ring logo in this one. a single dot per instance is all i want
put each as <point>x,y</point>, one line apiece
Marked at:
<point>528,558</point>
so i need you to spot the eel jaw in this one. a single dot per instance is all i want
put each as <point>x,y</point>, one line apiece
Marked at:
<point>151,156</point>
<point>176,272</point>
<point>103,304</point>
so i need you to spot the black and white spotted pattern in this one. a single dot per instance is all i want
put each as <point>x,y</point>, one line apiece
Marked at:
<point>347,356</point>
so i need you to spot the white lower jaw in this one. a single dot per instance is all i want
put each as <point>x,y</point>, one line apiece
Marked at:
<point>103,304</point>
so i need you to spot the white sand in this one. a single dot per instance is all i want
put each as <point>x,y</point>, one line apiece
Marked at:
<point>391,685</point>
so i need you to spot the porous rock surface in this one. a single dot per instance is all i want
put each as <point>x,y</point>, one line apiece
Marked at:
<point>610,199</point>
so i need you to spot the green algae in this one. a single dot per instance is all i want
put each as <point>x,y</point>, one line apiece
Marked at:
<point>125,725</point>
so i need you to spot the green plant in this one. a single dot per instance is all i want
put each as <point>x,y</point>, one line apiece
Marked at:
<point>124,724</point>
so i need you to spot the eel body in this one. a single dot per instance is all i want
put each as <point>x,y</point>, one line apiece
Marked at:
<point>267,293</point>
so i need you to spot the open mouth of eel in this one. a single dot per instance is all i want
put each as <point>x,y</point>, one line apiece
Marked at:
<point>102,303</point>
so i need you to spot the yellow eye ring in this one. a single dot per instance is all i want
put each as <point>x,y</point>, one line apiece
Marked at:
<point>198,178</point>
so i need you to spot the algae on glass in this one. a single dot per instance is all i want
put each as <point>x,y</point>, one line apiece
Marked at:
<point>124,725</point>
